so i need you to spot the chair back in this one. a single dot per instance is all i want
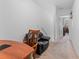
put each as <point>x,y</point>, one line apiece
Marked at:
<point>33,37</point>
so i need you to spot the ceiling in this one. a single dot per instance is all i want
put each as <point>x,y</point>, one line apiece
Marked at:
<point>67,4</point>
<point>64,3</point>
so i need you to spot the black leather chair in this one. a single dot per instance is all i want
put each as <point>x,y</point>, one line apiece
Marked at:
<point>43,44</point>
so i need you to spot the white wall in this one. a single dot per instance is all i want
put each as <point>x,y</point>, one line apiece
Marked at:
<point>48,21</point>
<point>49,15</point>
<point>18,15</point>
<point>74,30</point>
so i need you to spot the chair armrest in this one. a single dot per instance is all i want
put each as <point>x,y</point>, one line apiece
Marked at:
<point>25,38</point>
<point>35,45</point>
<point>44,38</point>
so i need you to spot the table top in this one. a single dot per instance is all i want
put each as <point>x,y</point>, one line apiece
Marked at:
<point>15,51</point>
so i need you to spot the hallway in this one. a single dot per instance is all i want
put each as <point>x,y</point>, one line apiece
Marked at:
<point>59,50</point>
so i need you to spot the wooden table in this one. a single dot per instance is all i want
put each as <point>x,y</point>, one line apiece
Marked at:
<point>15,51</point>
